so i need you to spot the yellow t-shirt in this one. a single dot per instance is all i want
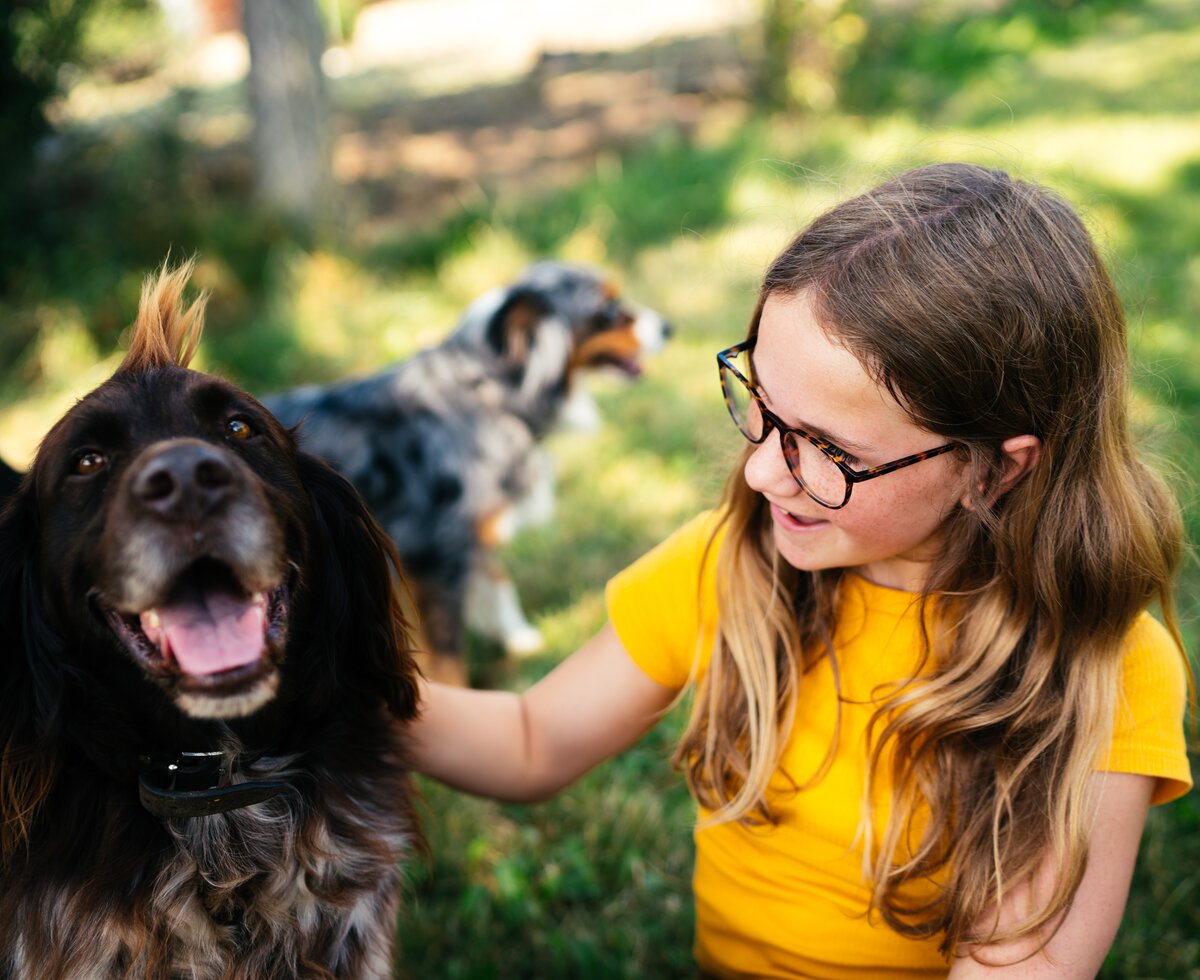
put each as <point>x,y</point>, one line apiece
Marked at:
<point>790,900</point>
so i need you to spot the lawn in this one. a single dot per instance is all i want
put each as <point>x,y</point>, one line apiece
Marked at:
<point>596,882</point>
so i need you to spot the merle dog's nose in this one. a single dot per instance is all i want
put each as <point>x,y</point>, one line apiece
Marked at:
<point>184,481</point>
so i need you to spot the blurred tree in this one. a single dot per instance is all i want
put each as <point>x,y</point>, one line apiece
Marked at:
<point>806,44</point>
<point>291,141</point>
<point>37,38</point>
<point>780,21</point>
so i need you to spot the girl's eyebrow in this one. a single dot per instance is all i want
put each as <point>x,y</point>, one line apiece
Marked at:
<point>838,443</point>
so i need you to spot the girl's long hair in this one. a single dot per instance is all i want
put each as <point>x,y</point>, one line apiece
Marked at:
<point>981,304</point>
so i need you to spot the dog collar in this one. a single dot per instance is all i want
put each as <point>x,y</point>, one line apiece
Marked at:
<point>196,784</point>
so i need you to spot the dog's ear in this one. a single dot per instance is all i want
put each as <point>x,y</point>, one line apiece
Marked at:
<point>357,607</point>
<point>30,686</point>
<point>511,329</point>
<point>533,341</point>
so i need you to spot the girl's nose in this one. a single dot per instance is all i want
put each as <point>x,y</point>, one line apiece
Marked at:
<point>766,470</point>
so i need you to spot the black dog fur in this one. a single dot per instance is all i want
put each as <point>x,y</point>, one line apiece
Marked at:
<point>167,490</point>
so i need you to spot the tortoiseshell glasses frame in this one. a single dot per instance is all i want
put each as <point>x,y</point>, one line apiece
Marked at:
<point>788,435</point>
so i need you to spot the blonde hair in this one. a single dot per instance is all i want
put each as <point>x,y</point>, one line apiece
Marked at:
<point>165,333</point>
<point>981,304</point>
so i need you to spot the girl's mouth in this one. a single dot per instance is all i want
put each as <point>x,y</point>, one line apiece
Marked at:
<point>792,522</point>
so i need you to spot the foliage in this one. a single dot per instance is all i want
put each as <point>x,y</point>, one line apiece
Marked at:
<point>868,56</point>
<point>339,17</point>
<point>913,55</point>
<point>36,38</point>
<point>43,45</point>
<point>807,47</point>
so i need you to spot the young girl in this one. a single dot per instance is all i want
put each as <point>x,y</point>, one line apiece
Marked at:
<point>930,708</point>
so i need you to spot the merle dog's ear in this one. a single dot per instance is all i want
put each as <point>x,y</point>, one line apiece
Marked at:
<point>511,328</point>
<point>30,685</point>
<point>355,600</point>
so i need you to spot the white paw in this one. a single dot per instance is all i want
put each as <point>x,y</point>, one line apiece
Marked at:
<point>524,642</point>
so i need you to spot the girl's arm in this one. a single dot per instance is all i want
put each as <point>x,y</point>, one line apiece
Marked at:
<point>522,748</point>
<point>1078,949</point>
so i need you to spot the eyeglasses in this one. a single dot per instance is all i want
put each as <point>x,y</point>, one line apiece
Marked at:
<point>818,465</point>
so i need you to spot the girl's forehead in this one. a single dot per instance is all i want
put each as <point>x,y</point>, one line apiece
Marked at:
<point>812,381</point>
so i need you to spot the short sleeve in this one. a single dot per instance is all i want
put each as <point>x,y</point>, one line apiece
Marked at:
<point>1148,729</point>
<point>663,606</point>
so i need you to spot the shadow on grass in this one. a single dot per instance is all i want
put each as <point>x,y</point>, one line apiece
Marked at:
<point>643,197</point>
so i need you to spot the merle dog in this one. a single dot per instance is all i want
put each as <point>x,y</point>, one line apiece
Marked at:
<point>445,446</point>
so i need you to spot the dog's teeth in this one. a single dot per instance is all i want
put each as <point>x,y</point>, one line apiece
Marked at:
<point>259,597</point>
<point>152,619</point>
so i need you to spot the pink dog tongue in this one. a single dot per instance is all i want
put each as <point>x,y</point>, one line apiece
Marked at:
<point>212,632</point>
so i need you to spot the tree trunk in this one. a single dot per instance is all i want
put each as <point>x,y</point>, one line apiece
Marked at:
<point>291,140</point>
<point>780,23</point>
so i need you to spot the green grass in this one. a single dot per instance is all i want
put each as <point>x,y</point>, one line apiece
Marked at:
<point>596,882</point>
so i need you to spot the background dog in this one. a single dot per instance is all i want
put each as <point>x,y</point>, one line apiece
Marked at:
<point>201,763</point>
<point>444,446</point>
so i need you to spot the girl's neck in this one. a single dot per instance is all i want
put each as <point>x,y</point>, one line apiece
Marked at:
<point>896,574</point>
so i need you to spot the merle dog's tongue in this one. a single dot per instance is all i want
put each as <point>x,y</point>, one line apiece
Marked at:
<point>209,629</point>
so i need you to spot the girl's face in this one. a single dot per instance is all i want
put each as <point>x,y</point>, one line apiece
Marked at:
<point>892,526</point>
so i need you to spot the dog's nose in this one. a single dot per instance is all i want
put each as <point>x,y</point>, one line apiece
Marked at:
<point>184,481</point>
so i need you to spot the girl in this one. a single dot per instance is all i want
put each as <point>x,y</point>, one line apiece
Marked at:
<point>930,708</point>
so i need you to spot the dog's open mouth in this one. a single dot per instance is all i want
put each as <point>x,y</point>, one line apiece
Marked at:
<point>209,634</point>
<point>626,365</point>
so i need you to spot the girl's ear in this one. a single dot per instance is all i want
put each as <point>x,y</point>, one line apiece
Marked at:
<point>1019,455</point>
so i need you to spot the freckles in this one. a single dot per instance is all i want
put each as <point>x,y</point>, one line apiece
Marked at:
<point>900,509</point>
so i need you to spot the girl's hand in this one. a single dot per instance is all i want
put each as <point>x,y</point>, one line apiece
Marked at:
<point>1078,948</point>
<point>521,748</point>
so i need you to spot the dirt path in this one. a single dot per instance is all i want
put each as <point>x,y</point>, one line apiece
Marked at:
<point>442,102</point>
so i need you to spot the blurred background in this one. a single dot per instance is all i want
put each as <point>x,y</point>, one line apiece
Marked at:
<point>351,174</point>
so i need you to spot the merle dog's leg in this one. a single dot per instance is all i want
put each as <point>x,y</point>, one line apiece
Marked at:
<point>494,609</point>
<point>440,613</point>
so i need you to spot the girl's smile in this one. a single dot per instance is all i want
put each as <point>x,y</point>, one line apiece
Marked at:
<point>795,522</point>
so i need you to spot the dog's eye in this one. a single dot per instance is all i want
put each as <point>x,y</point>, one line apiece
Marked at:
<point>89,463</point>
<point>238,429</point>
<point>608,314</point>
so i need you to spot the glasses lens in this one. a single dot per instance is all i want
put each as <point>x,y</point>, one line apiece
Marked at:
<point>743,406</point>
<point>814,471</point>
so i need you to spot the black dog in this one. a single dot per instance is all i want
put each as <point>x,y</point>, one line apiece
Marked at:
<point>204,673</point>
<point>10,479</point>
<point>444,446</point>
